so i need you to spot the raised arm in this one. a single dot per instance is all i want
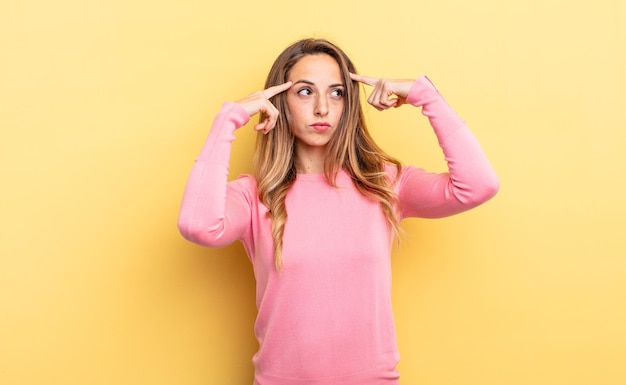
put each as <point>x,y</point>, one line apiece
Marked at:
<point>470,179</point>
<point>213,213</point>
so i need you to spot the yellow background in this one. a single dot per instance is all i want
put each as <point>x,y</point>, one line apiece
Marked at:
<point>105,104</point>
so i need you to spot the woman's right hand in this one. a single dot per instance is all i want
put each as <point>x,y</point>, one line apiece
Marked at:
<point>259,102</point>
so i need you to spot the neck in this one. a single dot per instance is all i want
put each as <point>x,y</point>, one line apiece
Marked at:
<point>310,160</point>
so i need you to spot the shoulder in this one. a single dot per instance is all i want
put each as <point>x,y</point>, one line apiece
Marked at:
<point>396,175</point>
<point>245,184</point>
<point>244,190</point>
<point>407,177</point>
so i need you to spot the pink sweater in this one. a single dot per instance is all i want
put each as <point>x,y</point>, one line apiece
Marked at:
<point>327,317</point>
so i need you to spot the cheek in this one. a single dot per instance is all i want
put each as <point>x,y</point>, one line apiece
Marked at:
<point>338,110</point>
<point>296,108</point>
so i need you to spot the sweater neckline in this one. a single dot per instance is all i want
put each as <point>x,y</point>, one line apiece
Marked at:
<point>310,177</point>
<point>321,177</point>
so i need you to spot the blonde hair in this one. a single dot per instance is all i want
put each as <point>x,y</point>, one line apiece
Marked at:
<point>351,148</point>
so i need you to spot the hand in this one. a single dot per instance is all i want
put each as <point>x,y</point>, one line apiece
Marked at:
<point>259,102</point>
<point>382,97</point>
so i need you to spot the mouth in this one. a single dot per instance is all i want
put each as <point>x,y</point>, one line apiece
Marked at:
<point>320,127</point>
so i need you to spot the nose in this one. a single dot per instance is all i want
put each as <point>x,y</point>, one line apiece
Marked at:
<point>321,106</point>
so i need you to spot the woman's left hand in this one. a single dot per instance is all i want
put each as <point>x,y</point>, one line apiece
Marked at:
<point>387,93</point>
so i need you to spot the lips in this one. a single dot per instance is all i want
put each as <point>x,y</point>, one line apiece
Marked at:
<point>320,127</point>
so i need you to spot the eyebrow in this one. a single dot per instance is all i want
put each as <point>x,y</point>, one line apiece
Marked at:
<point>312,84</point>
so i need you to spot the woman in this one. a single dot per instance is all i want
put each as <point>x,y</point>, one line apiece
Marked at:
<point>318,217</point>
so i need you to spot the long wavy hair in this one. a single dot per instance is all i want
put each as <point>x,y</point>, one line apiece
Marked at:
<point>351,148</point>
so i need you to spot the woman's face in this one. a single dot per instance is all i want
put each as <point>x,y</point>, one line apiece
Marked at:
<point>315,100</point>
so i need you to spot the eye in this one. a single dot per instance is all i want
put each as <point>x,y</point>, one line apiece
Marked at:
<point>305,91</point>
<point>337,92</point>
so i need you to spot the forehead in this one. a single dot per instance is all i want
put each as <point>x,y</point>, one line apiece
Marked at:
<point>319,67</point>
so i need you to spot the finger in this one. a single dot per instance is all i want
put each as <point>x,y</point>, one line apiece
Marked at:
<point>370,81</point>
<point>393,103</point>
<point>265,126</point>
<point>382,100</point>
<point>378,97</point>
<point>260,126</point>
<point>399,102</point>
<point>385,95</point>
<point>384,104</point>
<point>275,90</point>
<point>374,98</point>
<point>271,116</point>
<point>387,99</point>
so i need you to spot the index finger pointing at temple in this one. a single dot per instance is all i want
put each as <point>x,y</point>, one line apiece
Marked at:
<point>370,81</point>
<point>275,90</point>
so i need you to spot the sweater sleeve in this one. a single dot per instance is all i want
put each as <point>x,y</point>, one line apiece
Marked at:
<point>212,212</point>
<point>470,179</point>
